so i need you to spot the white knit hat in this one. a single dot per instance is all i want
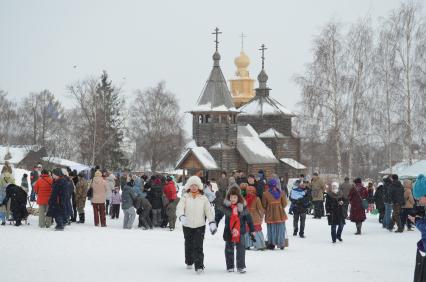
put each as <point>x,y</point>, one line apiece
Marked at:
<point>194,180</point>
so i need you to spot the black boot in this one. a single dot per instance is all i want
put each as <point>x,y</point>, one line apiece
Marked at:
<point>81,215</point>
<point>358,229</point>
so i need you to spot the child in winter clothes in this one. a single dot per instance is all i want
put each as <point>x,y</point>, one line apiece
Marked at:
<point>192,211</point>
<point>115,202</point>
<point>237,217</point>
<point>255,208</point>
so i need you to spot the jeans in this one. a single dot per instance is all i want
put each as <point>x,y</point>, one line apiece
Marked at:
<point>296,216</point>
<point>388,215</point>
<point>241,254</point>
<point>336,235</point>
<point>194,239</point>
<point>3,216</point>
<point>129,218</point>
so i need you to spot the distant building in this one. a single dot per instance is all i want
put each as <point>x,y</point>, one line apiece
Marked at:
<point>22,156</point>
<point>257,135</point>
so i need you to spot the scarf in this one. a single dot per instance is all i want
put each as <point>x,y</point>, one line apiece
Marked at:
<point>195,194</point>
<point>235,225</point>
<point>250,199</point>
<point>276,193</point>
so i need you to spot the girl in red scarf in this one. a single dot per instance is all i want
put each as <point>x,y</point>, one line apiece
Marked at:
<point>237,218</point>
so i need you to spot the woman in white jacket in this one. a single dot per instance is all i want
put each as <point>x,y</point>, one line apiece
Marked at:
<point>192,211</point>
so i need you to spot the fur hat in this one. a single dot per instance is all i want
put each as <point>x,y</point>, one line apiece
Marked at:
<point>420,187</point>
<point>194,180</point>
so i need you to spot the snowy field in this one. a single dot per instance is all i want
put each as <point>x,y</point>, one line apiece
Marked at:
<point>88,253</point>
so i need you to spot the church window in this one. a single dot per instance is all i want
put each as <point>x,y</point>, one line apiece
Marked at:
<point>200,119</point>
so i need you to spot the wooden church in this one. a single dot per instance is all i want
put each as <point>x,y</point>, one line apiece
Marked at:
<point>247,130</point>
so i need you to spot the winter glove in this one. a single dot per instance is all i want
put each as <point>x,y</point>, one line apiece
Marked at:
<point>182,220</point>
<point>213,228</point>
<point>253,239</point>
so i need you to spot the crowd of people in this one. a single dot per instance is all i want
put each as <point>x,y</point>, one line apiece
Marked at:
<point>244,202</point>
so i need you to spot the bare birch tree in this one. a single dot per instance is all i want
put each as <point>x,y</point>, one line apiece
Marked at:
<point>156,127</point>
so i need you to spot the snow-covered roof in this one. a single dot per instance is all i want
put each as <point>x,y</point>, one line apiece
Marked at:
<point>293,163</point>
<point>17,153</point>
<point>271,133</point>
<point>264,105</point>
<point>414,170</point>
<point>220,146</point>
<point>215,96</point>
<point>202,155</point>
<point>252,148</point>
<point>66,163</point>
<point>397,168</point>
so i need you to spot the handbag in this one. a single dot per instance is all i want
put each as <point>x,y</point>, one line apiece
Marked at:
<point>364,202</point>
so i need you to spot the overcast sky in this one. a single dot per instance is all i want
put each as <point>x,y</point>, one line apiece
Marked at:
<point>141,43</point>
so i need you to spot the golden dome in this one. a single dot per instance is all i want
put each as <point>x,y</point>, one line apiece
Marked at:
<point>242,62</point>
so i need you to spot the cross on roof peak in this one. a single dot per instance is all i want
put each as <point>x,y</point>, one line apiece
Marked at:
<point>263,48</point>
<point>242,41</point>
<point>217,32</point>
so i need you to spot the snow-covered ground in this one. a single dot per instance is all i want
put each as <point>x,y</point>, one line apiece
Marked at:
<point>89,253</point>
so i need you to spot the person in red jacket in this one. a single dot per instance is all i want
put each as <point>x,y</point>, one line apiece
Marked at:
<point>170,189</point>
<point>170,192</point>
<point>357,195</point>
<point>43,189</point>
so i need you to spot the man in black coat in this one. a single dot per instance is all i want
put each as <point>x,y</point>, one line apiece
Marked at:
<point>58,198</point>
<point>18,203</point>
<point>379,201</point>
<point>387,187</point>
<point>397,197</point>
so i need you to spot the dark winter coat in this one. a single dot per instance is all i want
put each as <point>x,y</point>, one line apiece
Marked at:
<point>387,196</point>
<point>379,198</point>
<point>57,201</point>
<point>260,187</point>
<point>220,197</point>
<point>128,197</point>
<point>397,193</point>
<point>68,196</point>
<point>245,219</point>
<point>18,199</point>
<point>370,197</point>
<point>335,213</point>
<point>356,195</point>
<point>155,196</point>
